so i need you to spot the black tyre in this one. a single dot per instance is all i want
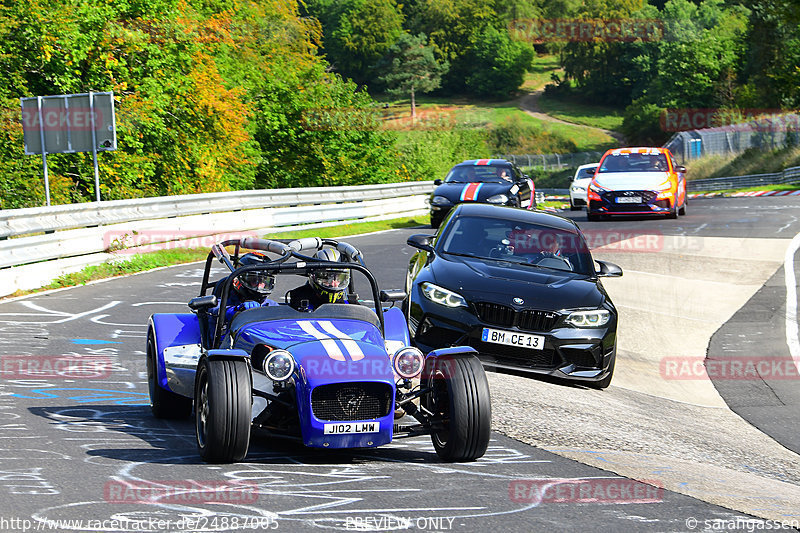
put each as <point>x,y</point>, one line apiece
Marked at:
<point>163,403</point>
<point>573,207</point>
<point>606,381</point>
<point>223,396</point>
<point>461,406</point>
<point>435,222</point>
<point>682,210</point>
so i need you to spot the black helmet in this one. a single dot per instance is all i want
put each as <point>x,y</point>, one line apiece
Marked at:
<point>255,285</point>
<point>331,282</point>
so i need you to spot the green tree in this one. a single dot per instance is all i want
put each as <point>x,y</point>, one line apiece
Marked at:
<point>412,68</point>
<point>357,33</point>
<point>503,64</point>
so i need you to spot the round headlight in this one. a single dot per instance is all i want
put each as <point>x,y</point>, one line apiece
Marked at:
<point>279,365</point>
<point>408,362</point>
<point>440,200</point>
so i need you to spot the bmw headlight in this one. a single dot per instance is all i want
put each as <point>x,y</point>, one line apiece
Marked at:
<point>408,362</point>
<point>279,365</point>
<point>442,296</point>
<point>497,199</point>
<point>578,188</point>
<point>440,200</point>
<point>594,318</point>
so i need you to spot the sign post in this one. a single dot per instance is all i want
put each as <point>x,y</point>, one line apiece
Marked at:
<point>69,123</point>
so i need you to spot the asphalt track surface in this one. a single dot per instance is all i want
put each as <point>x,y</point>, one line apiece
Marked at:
<point>67,445</point>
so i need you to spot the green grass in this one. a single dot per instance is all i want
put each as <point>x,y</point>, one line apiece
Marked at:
<point>570,138</point>
<point>129,265</point>
<point>544,67</point>
<point>607,118</point>
<point>545,137</point>
<point>124,264</point>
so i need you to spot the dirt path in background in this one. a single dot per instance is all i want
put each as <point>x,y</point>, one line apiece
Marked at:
<point>530,105</point>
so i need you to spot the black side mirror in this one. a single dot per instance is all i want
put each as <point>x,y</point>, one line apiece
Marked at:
<point>203,302</point>
<point>608,270</point>
<point>393,295</point>
<point>437,181</point>
<point>680,168</point>
<point>423,242</point>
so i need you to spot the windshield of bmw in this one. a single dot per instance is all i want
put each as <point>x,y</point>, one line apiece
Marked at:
<point>480,173</point>
<point>516,242</point>
<point>634,163</point>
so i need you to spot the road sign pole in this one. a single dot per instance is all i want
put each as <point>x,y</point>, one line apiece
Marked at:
<point>44,152</point>
<point>94,147</point>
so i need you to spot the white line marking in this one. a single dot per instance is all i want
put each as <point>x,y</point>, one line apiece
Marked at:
<point>69,316</point>
<point>329,344</point>
<point>350,345</point>
<point>792,340</point>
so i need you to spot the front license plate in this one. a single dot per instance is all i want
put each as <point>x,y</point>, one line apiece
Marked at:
<point>352,427</point>
<point>512,338</point>
<point>629,199</point>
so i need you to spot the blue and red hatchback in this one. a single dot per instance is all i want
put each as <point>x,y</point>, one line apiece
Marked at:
<point>492,181</point>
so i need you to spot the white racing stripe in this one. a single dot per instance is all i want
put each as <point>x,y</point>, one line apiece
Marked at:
<point>792,340</point>
<point>353,350</point>
<point>329,344</point>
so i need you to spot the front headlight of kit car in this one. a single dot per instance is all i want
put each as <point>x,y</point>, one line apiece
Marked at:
<point>408,362</point>
<point>279,365</point>
<point>440,200</point>
<point>591,318</point>
<point>442,296</point>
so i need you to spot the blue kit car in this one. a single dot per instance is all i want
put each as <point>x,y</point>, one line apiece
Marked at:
<point>340,376</point>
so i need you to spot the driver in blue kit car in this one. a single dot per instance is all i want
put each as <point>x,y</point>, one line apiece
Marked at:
<point>323,286</point>
<point>249,290</point>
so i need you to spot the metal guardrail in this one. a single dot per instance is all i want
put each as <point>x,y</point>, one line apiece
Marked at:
<point>789,175</point>
<point>15,222</point>
<point>49,241</point>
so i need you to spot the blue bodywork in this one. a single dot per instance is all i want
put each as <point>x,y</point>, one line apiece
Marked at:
<point>326,349</point>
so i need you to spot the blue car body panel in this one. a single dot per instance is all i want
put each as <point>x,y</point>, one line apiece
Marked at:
<point>327,352</point>
<point>174,329</point>
<point>395,326</point>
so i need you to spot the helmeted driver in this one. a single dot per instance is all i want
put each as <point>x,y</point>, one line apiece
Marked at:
<point>324,286</point>
<point>249,289</point>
